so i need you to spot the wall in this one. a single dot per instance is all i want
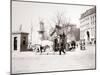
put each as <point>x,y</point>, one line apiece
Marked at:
<point>88,23</point>
<point>24,47</point>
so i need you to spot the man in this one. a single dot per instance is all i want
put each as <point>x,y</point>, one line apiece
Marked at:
<point>55,44</point>
<point>61,44</point>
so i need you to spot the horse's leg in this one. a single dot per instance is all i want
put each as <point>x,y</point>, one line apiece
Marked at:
<point>40,50</point>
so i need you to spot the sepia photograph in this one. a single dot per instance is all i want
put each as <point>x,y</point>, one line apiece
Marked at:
<point>52,37</point>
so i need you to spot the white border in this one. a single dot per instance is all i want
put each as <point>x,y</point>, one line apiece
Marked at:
<point>5,37</point>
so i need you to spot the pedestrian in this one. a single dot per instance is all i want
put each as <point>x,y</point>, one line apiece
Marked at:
<point>41,49</point>
<point>61,45</point>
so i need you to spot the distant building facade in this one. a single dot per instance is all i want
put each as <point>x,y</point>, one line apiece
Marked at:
<point>88,25</point>
<point>69,30</point>
<point>19,41</point>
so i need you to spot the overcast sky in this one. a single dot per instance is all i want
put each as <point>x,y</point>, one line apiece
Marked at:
<point>29,13</point>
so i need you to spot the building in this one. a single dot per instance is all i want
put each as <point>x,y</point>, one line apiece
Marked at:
<point>88,25</point>
<point>70,31</point>
<point>19,41</point>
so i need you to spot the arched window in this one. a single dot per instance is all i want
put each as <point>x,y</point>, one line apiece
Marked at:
<point>88,35</point>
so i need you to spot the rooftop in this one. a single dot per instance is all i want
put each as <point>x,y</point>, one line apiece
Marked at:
<point>88,12</point>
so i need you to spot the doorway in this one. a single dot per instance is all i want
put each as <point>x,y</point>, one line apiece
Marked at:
<point>15,43</point>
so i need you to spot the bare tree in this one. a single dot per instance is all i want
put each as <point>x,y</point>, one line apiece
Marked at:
<point>61,19</point>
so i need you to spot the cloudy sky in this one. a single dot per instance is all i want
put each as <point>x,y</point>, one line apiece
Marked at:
<point>28,14</point>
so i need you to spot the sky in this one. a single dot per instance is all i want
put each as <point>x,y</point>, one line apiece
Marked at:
<point>28,14</point>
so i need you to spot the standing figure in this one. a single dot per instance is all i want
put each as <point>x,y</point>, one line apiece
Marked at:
<point>61,44</point>
<point>73,44</point>
<point>55,44</point>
